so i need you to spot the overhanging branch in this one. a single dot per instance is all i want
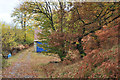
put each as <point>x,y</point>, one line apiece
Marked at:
<point>101,26</point>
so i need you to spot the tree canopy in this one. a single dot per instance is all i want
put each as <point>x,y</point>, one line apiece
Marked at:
<point>64,24</point>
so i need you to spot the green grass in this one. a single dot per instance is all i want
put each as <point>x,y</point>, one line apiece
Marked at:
<point>5,63</point>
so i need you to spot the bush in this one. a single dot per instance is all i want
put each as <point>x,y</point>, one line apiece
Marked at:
<point>8,38</point>
<point>4,63</point>
<point>105,39</point>
<point>13,37</point>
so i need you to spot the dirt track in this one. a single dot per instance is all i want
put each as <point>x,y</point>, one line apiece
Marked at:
<point>26,64</point>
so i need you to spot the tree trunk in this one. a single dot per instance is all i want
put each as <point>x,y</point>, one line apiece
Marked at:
<point>25,28</point>
<point>62,55</point>
<point>80,48</point>
<point>25,37</point>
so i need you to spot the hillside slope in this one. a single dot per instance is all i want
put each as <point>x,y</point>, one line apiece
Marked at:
<point>101,60</point>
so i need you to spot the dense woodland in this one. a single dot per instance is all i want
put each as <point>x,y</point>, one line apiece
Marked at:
<point>65,24</point>
<point>81,32</point>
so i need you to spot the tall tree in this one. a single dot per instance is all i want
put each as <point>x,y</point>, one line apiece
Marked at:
<point>71,26</point>
<point>21,17</point>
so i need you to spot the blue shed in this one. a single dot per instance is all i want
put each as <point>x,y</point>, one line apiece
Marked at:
<point>38,42</point>
<point>39,49</point>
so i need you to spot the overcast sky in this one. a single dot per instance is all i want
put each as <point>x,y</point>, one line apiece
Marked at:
<point>6,8</point>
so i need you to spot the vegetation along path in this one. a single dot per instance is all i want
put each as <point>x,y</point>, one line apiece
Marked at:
<point>27,64</point>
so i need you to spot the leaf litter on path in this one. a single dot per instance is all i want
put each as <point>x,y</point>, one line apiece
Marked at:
<point>27,65</point>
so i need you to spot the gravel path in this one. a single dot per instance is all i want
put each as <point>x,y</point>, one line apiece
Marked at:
<point>27,64</point>
<point>21,68</point>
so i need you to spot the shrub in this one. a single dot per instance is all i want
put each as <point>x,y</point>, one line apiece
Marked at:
<point>4,63</point>
<point>12,37</point>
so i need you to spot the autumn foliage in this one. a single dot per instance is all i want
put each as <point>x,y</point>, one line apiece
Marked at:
<point>101,60</point>
<point>13,39</point>
<point>85,36</point>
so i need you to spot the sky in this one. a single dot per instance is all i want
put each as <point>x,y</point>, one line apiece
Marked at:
<point>6,8</point>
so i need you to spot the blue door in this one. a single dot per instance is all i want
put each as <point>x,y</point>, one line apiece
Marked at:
<point>38,48</point>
